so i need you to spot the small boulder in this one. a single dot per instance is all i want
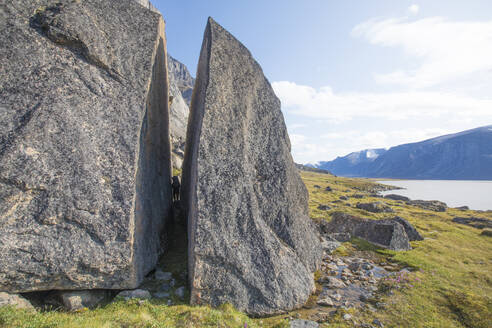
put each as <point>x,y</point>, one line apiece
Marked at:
<point>332,282</point>
<point>14,300</point>
<point>384,233</point>
<point>358,196</point>
<point>324,207</point>
<point>299,323</point>
<point>328,188</point>
<point>397,197</point>
<point>486,232</point>
<point>343,198</point>
<point>79,299</point>
<point>431,205</point>
<point>325,302</point>
<point>317,187</point>
<point>375,207</point>
<point>462,208</point>
<point>136,293</point>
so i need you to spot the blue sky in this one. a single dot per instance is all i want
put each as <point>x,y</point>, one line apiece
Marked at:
<point>357,74</point>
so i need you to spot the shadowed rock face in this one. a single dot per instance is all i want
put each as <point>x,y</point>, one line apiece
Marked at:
<point>84,144</point>
<point>390,234</point>
<point>251,242</point>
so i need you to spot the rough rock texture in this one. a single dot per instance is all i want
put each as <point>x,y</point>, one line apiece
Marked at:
<point>412,233</point>
<point>84,144</point>
<point>182,77</point>
<point>431,205</point>
<point>385,233</point>
<point>15,300</point>
<point>251,241</point>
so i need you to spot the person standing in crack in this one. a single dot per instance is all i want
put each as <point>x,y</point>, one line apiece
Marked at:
<point>176,185</point>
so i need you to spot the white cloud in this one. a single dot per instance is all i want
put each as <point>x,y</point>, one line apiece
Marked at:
<point>414,9</point>
<point>447,50</point>
<point>348,122</point>
<point>340,107</point>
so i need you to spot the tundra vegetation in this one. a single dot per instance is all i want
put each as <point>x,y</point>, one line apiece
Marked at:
<point>449,284</point>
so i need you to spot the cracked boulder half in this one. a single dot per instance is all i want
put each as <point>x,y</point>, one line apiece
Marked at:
<point>251,241</point>
<point>84,144</point>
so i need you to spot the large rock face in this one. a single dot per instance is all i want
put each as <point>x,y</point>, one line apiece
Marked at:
<point>180,74</point>
<point>251,242</point>
<point>178,113</point>
<point>84,144</point>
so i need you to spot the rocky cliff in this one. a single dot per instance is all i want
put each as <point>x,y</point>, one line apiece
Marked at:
<point>461,156</point>
<point>251,241</point>
<point>84,144</point>
<point>182,77</point>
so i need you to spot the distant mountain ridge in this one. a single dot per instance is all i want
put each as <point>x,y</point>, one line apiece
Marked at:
<point>465,155</point>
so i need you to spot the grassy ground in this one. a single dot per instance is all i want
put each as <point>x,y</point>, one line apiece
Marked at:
<point>451,286</point>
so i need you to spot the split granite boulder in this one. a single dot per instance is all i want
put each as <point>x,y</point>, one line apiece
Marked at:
<point>84,144</point>
<point>251,241</point>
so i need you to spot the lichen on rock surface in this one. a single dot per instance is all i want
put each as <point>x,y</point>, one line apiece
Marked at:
<point>251,241</point>
<point>84,144</point>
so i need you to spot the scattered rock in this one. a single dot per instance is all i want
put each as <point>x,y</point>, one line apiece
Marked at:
<point>343,198</point>
<point>79,299</point>
<point>136,293</point>
<point>14,300</point>
<point>475,222</point>
<point>325,302</point>
<point>332,282</point>
<point>375,207</point>
<point>347,317</point>
<point>384,233</point>
<point>358,196</point>
<point>328,188</point>
<point>463,208</point>
<point>431,205</point>
<point>329,245</point>
<point>378,323</point>
<point>324,207</point>
<point>317,187</point>
<point>252,243</point>
<point>299,323</point>
<point>397,197</point>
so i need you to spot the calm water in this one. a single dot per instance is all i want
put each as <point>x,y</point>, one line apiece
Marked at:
<point>475,194</point>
